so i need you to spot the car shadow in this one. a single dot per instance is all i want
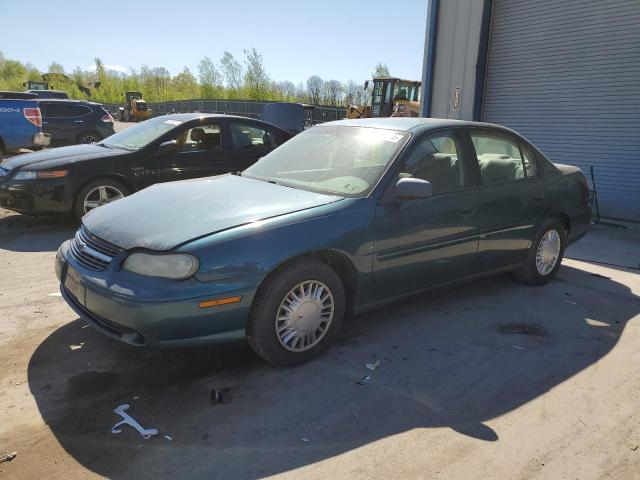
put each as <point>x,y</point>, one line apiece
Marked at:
<point>24,233</point>
<point>456,359</point>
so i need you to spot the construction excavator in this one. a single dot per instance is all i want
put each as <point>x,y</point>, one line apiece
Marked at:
<point>390,97</point>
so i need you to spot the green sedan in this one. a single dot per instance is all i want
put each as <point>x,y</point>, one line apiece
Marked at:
<point>340,219</point>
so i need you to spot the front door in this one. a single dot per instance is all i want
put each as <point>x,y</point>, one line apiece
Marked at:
<point>198,153</point>
<point>511,197</point>
<point>425,242</point>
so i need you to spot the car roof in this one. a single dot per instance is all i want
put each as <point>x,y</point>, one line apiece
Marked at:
<point>66,100</point>
<point>191,116</point>
<point>185,117</point>
<point>38,91</point>
<point>407,124</point>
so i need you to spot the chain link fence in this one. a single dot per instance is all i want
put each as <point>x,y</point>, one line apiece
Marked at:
<point>244,108</point>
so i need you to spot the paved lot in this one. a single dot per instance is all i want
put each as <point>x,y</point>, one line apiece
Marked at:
<point>457,394</point>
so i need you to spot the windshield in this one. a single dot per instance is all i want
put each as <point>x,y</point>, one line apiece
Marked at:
<point>139,136</point>
<point>343,160</point>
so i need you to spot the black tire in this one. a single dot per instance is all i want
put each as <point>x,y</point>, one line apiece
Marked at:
<point>529,272</point>
<point>261,326</point>
<point>89,137</point>
<point>78,204</point>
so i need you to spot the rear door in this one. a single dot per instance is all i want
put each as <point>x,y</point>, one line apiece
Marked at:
<point>64,121</point>
<point>424,242</point>
<point>198,154</point>
<point>510,195</point>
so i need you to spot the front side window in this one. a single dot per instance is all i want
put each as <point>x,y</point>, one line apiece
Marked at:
<point>499,158</point>
<point>437,160</point>
<point>250,136</point>
<point>340,160</point>
<point>199,139</point>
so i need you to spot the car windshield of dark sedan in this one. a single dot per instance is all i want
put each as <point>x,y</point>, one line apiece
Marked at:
<point>138,136</point>
<point>339,160</point>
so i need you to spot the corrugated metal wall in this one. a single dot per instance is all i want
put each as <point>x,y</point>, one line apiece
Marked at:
<point>566,74</point>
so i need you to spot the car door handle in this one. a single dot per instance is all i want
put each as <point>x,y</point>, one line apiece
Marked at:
<point>45,123</point>
<point>78,121</point>
<point>467,212</point>
<point>538,198</point>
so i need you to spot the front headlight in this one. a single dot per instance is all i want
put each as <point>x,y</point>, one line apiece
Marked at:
<point>177,266</point>
<point>42,174</point>
<point>25,176</point>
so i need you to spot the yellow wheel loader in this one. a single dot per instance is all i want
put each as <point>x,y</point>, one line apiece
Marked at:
<point>391,97</point>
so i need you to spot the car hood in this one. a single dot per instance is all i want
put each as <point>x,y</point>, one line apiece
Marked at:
<point>166,215</point>
<point>54,157</point>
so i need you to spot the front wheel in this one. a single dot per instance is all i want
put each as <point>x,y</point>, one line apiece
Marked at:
<point>97,193</point>
<point>296,313</point>
<point>545,255</point>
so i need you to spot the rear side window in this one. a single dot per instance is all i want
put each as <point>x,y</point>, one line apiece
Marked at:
<point>530,165</point>
<point>251,136</point>
<point>53,110</point>
<point>499,158</point>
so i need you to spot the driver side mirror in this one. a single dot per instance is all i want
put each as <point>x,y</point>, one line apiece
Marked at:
<point>413,188</point>
<point>169,146</point>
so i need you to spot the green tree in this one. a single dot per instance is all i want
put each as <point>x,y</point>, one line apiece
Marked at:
<point>232,71</point>
<point>256,79</point>
<point>210,78</point>
<point>382,70</point>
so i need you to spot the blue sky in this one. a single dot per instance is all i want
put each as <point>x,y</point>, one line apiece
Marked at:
<point>334,39</point>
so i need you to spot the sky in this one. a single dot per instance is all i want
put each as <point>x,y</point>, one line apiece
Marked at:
<point>335,39</point>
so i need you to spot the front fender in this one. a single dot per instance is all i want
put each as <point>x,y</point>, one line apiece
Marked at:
<point>255,250</point>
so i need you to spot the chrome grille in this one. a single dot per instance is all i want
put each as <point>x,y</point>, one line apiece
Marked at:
<point>91,251</point>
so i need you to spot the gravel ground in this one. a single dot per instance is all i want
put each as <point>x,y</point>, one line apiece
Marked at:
<point>490,379</point>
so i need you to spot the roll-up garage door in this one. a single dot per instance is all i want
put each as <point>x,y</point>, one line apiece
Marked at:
<point>566,75</point>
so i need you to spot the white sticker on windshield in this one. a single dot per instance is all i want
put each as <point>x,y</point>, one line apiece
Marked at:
<point>172,122</point>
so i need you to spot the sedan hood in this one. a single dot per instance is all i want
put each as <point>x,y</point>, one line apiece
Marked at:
<point>166,215</point>
<point>55,157</point>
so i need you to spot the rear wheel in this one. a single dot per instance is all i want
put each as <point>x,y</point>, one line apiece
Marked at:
<point>296,313</point>
<point>545,255</point>
<point>89,137</point>
<point>97,193</point>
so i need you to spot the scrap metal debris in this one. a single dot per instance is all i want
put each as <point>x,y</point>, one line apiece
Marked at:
<point>364,380</point>
<point>222,395</point>
<point>168,437</point>
<point>128,420</point>
<point>7,457</point>
<point>374,365</point>
<point>304,439</point>
<point>517,347</point>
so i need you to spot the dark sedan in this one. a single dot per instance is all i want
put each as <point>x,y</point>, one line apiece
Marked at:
<point>78,178</point>
<point>341,218</point>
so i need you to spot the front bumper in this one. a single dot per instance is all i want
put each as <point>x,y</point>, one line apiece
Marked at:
<point>154,312</point>
<point>35,196</point>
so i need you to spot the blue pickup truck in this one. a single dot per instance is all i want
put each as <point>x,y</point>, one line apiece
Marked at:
<point>20,122</point>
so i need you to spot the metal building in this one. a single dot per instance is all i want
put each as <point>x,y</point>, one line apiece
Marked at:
<point>564,73</point>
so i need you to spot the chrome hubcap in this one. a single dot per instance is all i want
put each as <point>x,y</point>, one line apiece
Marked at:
<point>101,195</point>
<point>304,316</point>
<point>548,252</point>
